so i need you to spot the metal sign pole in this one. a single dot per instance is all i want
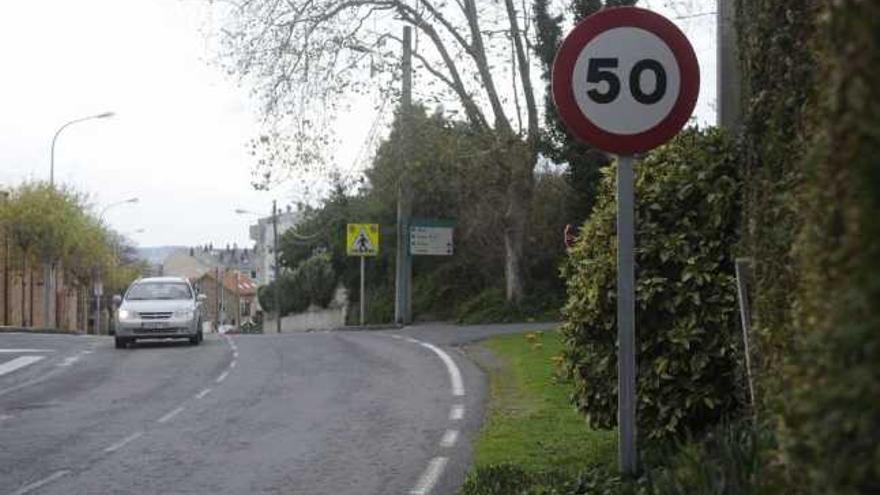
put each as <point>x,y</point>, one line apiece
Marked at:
<point>626,351</point>
<point>362,290</point>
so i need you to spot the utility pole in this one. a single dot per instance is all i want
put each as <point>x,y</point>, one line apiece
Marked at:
<point>277,277</point>
<point>729,76</point>
<point>403,278</point>
<point>238,298</point>
<point>219,290</point>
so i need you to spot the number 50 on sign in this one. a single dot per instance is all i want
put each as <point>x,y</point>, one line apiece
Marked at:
<point>625,80</point>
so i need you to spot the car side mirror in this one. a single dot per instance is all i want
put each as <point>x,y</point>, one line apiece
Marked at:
<point>117,299</point>
<point>201,298</point>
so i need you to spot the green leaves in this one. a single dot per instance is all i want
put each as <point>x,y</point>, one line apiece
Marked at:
<point>687,224</point>
<point>51,223</point>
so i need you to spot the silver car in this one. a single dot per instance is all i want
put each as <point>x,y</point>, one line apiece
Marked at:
<point>159,308</point>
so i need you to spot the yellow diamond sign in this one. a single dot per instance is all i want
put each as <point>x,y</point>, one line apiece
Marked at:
<point>362,239</point>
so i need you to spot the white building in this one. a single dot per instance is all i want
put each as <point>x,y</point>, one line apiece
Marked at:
<point>261,234</point>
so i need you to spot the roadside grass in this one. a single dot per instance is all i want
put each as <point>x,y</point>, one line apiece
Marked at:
<point>531,422</point>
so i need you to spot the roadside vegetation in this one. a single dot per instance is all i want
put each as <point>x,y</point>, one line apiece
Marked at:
<point>45,227</point>
<point>531,422</point>
<point>794,194</point>
<point>451,180</point>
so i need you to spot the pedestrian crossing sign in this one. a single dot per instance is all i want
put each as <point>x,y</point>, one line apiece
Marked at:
<point>362,239</point>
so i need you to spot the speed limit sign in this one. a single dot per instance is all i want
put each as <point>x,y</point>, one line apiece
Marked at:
<point>625,80</point>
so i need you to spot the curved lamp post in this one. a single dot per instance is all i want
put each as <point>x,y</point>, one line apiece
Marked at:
<point>55,137</point>
<point>111,205</point>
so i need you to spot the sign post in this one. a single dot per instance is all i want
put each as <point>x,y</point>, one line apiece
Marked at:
<point>625,81</point>
<point>362,239</point>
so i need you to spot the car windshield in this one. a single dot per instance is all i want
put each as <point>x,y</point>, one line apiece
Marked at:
<point>158,290</point>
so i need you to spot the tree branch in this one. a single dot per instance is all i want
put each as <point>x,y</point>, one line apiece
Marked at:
<point>524,71</point>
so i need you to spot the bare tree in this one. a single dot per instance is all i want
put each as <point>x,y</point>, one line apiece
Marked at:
<point>303,56</point>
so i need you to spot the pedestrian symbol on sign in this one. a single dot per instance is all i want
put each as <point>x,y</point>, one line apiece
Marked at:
<point>362,244</point>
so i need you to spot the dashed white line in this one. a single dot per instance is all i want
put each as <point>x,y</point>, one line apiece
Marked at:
<point>167,417</point>
<point>451,367</point>
<point>203,393</point>
<point>222,376</point>
<point>456,413</point>
<point>235,355</point>
<point>4,417</point>
<point>430,476</point>
<point>122,443</point>
<point>449,439</point>
<point>232,364</point>
<point>17,363</point>
<point>45,481</point>
<point>23,351</point>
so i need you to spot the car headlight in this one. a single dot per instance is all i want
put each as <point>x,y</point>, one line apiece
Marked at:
<point>125,314</point>
<point>186,314</point>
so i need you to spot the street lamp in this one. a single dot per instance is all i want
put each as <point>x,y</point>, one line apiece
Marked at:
<point>111,205</point>
<point>55,137</point>
<point>275,253</point>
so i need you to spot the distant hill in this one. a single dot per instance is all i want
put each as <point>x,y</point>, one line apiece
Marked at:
<point>156,255</point>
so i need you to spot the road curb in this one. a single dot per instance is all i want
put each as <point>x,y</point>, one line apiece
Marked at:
<point>365,328</point>
<point>52,331</point>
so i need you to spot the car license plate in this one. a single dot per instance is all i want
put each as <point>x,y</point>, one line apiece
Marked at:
<point>155,325</point>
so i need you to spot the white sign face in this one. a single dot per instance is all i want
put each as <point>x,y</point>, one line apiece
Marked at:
<point>430,241</point>
<point>626,81</point>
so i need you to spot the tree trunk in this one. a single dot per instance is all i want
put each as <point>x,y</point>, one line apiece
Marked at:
<point>520,160</point>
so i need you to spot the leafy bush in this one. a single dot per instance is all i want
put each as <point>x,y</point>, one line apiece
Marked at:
<point>687,219</point>
<point>316,279</point>
<point>506,479</point>
<point>730,460</point>
<point>490,306</point>
<point>313,282</point>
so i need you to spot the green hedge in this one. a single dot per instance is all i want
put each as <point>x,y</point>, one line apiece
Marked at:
<point>687,219</point>
<point>313,282</point>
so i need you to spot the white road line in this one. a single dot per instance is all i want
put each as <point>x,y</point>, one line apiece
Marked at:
<point>430,476</point>
<point>23,351</point>
<point>456,413</point>
<point>167,417</point>
<point>232,364</point>
<point>19,362</point>
<point>454,372</point>
<point>449,439</point>
<point>4,417</point>
<point>235,355</point>
<point>122,443</point>
<point>398,337</point>
<point>45,481</point>
<point>222,376</point>
<point>203,393</point>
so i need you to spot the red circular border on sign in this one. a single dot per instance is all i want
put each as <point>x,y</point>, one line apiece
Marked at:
<point>563,72</point>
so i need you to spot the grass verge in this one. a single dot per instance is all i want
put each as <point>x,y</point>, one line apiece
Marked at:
<point>531,423</point>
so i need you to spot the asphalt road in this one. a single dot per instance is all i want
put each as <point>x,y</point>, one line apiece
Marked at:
<point>308,413</point>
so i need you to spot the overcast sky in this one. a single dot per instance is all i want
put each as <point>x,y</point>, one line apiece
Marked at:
<point>178,139</point>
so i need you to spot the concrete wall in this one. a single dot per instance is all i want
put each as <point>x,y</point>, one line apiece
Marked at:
<point>314,319</point>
